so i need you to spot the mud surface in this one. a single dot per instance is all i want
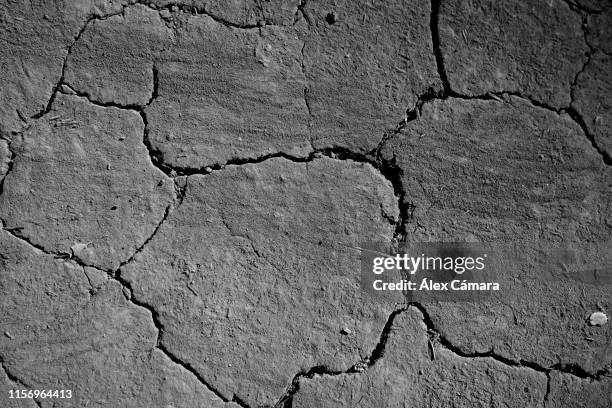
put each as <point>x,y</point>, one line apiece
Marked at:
<point>185,186</point>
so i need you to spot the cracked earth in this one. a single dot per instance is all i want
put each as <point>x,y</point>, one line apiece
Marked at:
<point>182,184</point>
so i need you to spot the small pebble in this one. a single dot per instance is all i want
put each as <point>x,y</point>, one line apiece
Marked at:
<point>598,319</point>
<point>345,331</point>
<point>207,170</point>
<point>7,334</point>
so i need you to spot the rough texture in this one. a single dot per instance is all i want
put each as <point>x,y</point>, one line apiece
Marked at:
<point>112,362</point>
<point>366,64</point>
<point>599,31</point>
<point>592,6</point>
<point>226,93</point>
<point>5,386</point>
<point>38,35</point>
<point>532,48</point>
<point>407,374</point>
<point>571,392</point>
<point>275,236</point>
<point>87,167</point>
<point>541,183</point>
<point>113,60</point>
<point>186,187</point>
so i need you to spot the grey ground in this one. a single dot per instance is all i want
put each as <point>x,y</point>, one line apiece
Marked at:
<point>181,183</point>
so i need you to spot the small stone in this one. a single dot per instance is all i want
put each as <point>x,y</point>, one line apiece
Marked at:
<point>7,334</point>
<point>345,331</point>
<point>598,319</point>
<point>207,170</point>
<point>165,14</point>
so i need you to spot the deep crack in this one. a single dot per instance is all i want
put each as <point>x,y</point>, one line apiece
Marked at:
<point>159,343</point>
<point>501,98</point>
<point>571,369</point>
<point>579,8</point>
<point>448,91</point>
<point>387,167</point>
<point>61,80</point>
<point>286,401</point>
<point>93,101</point>
<point>379,351</point>
<point>576,117</point>
<point>167,213</point>
<point>154,155</point>
<point>301,11</point>
<point>116,276</point>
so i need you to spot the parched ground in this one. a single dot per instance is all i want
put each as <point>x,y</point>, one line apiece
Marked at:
<point>183,184</point>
